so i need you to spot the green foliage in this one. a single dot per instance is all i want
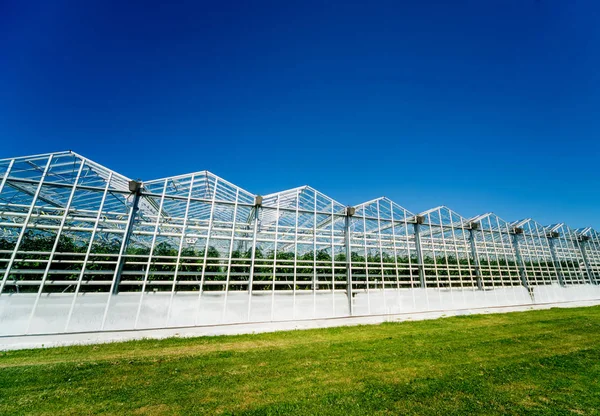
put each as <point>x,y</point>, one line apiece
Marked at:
<point>269,266</point>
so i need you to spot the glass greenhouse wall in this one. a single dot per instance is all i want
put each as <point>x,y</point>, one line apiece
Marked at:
<point>83,248</point>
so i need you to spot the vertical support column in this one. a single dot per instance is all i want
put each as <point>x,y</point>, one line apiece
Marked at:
<point>257,205</point>
<point>349,213</point>
<point>515,242</point>
<point>582,242</point>
<point>417,225</point>
<point>135,188</point>
<point>474,227</point>
<point>551,239</point>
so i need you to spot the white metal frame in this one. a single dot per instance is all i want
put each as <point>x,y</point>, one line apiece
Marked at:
<point>300,233</point>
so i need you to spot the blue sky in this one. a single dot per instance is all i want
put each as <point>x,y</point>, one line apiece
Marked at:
<point>477,105</point>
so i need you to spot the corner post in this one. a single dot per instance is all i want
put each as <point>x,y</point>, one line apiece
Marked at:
<point>417,226</point>
<point>582,242</point>
<point>135,187</point>
<point>515,242</point>
<point>257,204</point>
<point>552,236</point>
<point>350,211</point>
<point>473,227</point>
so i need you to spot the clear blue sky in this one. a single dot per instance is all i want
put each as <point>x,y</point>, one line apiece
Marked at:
<point>477,105</point>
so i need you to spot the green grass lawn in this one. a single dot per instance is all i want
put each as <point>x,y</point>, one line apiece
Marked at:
<point>539,362</point>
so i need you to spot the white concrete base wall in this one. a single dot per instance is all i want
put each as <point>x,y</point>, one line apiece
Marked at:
<point>216,313</point>
<point>391,301</point>
<point>557,293</point>
<point>161,310</point>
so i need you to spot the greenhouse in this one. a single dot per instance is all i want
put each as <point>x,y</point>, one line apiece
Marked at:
<point>83,248</point>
